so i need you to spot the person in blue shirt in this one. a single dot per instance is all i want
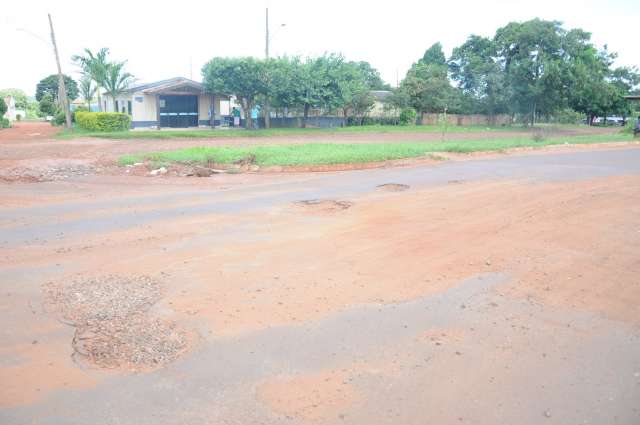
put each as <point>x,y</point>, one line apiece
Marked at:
<point>254,116</point>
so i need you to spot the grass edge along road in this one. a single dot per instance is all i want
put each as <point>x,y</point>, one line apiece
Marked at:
<point>328,154</point>
<point>217,133</point>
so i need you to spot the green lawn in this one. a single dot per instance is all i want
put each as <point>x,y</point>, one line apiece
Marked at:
<point>218,133</point>
<point>317,153</point>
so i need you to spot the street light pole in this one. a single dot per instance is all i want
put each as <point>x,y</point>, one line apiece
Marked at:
<point>266,33</point>
<point>62,91</point>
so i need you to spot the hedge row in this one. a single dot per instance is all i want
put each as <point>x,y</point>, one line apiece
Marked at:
<point>103,121</point>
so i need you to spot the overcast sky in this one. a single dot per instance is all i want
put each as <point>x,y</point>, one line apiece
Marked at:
<point>177,39</point>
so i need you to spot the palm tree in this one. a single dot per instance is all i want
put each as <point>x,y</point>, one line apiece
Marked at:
<point>88,89</point>
<point>116,81</point>
<point>94,66</point>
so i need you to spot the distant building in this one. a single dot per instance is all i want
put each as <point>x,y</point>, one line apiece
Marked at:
<point>12,113</point>
<point>175,103</point>
<point>380,106</point>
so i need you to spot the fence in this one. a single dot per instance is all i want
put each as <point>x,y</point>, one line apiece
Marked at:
<point>460,119</point>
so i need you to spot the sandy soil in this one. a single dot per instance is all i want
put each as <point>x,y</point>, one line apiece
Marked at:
<point>341,309</point>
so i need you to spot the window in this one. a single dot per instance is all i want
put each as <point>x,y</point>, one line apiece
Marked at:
<point>129,107</point>
<point>117,107</point>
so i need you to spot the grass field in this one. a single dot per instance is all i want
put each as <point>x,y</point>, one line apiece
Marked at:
<point>322,154</point>
<point>218,133</point>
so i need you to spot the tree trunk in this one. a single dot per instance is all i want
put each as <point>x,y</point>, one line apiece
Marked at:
<point>345,111</point>
<point>533,115</point>
<point>248,107</point>
<point>306,115</point>
<point>99,102</point>
<point>267,115</point>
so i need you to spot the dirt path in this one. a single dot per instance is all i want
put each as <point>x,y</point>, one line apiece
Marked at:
<point>495,290</point>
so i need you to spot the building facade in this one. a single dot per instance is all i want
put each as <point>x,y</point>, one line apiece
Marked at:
<point>174,103</point>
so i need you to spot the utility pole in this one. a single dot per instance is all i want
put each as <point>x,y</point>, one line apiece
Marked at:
<point>266,33</point>
<point>267,117</point>
<point>62,91</point>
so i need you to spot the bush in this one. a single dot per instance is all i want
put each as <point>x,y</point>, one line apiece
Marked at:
<point>408,116</point>
<point>357,121</point>
<point>18,117</point>
<point>58,118</point>
<point>4,123</point>
<point>568,116</point>
<point>103,121</point>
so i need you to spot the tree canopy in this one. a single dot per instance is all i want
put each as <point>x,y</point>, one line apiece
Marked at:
<point>326,82</point>
<point>50,85</point>
<point>527,69</point>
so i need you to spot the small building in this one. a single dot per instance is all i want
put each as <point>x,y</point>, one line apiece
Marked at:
<point>12,113</point>
<point>380,107</point>
<point>174,103</point>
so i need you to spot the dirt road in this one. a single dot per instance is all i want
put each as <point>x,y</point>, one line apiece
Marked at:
<point>489,291</point>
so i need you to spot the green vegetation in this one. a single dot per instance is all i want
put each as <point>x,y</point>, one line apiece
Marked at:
<point>214,134</point>
<point>103,121</point>
<point>49,85</point>
<point>322,154</point>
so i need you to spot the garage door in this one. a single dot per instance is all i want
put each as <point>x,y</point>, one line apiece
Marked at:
<point>178,111</point>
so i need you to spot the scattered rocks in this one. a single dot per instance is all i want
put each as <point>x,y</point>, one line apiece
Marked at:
<point>158,172</point>
<point>113,325</point>
<point>51,173</point>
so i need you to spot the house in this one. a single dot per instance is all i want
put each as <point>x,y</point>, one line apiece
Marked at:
<point>12,113</point>
<point>176,102</point>
<point>380,107</point>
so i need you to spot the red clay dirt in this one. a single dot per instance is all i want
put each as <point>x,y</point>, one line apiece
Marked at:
<point>567,247</point>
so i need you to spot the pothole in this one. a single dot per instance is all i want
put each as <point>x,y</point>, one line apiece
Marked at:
<point>113,324</point>
<point>324,204</point>
<point>393,187</point>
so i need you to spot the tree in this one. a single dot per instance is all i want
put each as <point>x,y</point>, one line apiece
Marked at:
<point>18,95</point>
<point>88,89</point>
<point>532,59</point>
<point>116,81</point>
<point>94,66</point>
<point>3,108</point>
<point>242,77</point>
<point>50,85</point>
<point>474,67</point>
<point>434,55</point>
<point>47,106</point>
<point>371,76</point>
<point>426,88</point>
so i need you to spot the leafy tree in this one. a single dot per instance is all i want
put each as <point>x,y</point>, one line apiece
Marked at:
<point>434,55</point>
<point>47,106</point>
<point>116,81</point>
<point>88,89</point>
<point>474,67</point>
<point>242,77</point>
<point>3,107</point>
<point>94,66</point>
<point>18,95</point>
<point>426,88</point>
<point>532,59</point>
<point>50,85</point>
<point>371,76</point>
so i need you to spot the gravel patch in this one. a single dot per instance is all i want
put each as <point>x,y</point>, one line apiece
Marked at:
<point>113,326</point>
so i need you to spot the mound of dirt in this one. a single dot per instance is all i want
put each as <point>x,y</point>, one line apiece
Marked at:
<point>393,187</point>
<point>112,321</point>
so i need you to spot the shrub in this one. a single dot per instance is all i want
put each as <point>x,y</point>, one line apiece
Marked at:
<point>18,117</point>
<point>103,121</point>
<point>58,118</point>
<point>408,116</point>
<point>4,122</point>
